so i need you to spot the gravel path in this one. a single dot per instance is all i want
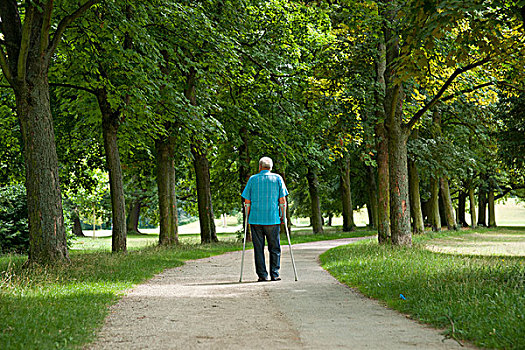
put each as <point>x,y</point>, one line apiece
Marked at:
<point>201,305</point>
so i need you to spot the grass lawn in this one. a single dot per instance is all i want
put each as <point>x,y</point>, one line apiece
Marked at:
<point>480,298</point>
<point>63,306</point>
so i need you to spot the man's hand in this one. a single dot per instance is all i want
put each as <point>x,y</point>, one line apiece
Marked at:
<point>282,209</point>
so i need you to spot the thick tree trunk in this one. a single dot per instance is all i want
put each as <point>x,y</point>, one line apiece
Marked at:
<point>447,201</point>
<point>462,199</point>
<point>346,195</point>
<point>27,50</point>
<point>47,235</point>
<point>169,219</point>
<point>313,188</point>
<point>415,199</point>
<point>434,217</point>
<point>202,174</point>
<point>399,200</point>
<point>482,207</point>
<point>132,221</point>
<point>492,209</point>
<point>110,125</point>
<point>383,179</point>
<point>397,140</point>
<point>472,206</point>
<point>372,199</point>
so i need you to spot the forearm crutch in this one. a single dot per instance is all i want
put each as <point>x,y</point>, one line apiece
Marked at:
<point>244,245</point>
<point>290,245</point>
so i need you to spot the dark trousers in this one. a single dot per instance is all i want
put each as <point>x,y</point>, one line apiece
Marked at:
<point>271,233</point>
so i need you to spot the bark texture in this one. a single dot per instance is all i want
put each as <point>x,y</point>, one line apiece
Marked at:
<point>202,174</point>
<point>434,217</point>
<point>77,226</point>
<point>25,58</point>
<point>447,201</point>
<point>202,171</point>
<point>482,207</point>
<point>397,140</point>
<point>132,221</point>
<point>415,199</point>
<point>462,200</point>
<point>110,126</point>
<point>313,189</point>
<point>383,186</point>
<point>346,195</point>
<point>169,219</point>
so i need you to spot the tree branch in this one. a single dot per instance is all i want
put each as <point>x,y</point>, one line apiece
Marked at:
<point>24,44</point>
<point>64,23</point>
<point>517,88</point>
<point>466,91</point>
<point>46,25</point>
<point>441,91</point>
<point>72,86</point>
<point>5,67</point>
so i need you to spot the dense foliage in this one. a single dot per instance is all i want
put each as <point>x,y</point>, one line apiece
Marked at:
<point>222,84</point>
<point>14,233</point>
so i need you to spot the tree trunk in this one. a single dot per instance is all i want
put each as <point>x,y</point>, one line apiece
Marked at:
<point>397,140</point>
<point>472,206</point>
<point>415,198</point>
<point>77,225</point>
<point>434,217</point>
<point>462,199</point>
<point>202,171</point>
<point>399,200</point>
<point>132,221</point>
<point>169,219</point>
<point>27,50</point>
<point>492,211</point>
<point>372,199</point>
<point>244,174</point>
<point>313,189</point>
<point>202,174</point>
<point>482,207</point>
<point>447,201</point>
<point>346,195</point>
<point>442,209</point>
<point>47,235</point>
<point>110,125</point>
<point>383,198</point>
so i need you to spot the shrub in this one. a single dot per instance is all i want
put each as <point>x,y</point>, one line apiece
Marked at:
<point>14,230</point>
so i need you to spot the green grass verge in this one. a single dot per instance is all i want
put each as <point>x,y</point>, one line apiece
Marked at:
<point>62,307</point>
<point>481,297</point>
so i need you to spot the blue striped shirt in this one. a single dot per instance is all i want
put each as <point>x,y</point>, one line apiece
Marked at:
<point>264,190</point>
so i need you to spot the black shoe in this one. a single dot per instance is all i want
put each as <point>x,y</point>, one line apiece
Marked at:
<point>262,279</point>
<point>276,278</point>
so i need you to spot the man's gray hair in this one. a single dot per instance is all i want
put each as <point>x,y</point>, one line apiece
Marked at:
<point>266,162</point>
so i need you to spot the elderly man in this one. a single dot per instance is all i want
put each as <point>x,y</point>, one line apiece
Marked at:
<point>265,200</point>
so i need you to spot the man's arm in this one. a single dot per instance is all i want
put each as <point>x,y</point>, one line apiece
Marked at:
<point>247,206</point>
<point>282,208</point>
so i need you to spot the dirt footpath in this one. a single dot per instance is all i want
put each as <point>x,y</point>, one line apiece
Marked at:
<point>201,305</point>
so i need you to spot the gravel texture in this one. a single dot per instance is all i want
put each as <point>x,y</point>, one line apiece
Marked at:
<point>202,305</point>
